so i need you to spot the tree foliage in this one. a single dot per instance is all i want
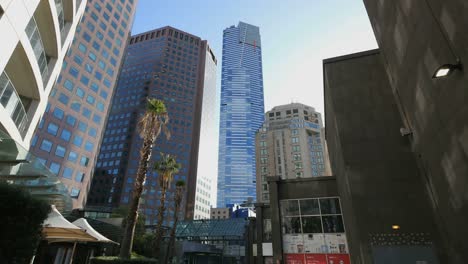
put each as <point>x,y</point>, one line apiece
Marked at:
<point>21,221</point>
<point>153,122</point>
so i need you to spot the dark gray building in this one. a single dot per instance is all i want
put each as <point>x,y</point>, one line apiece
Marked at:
<point>388,214</point>
<point>415,38</point>
<point>170,65</point>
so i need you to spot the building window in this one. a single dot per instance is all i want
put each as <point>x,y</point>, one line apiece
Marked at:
<point>52,129</point>
<point>79,176</point>
<point>67,173</point>
<point>89,146</point>
<point>66,135</point>
<point>54,167</point>
<point>46,145</point>
<point>63,99</point>
<point>82,126</point>
<point>84,161</point>
<point>77,140</point>
<point>75,193</point>
<point>60,151</point>
<point>71,120</point>
<point>58,113</point>
<point>297,157</point>
<point>72,156</point>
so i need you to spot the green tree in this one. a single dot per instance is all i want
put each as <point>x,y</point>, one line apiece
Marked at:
<point>150,126</point>
<point>166,167</point>
<point>179,196</point>
<point>20,224</point>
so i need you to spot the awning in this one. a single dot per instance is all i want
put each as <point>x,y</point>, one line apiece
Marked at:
<point>58,229</point>
<point>90,230</point>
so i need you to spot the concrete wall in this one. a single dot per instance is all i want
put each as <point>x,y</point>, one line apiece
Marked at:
<point>377,175</point>
<point>415,38</point>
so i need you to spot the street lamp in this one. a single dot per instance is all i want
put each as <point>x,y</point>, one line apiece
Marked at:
<point>446,69</point>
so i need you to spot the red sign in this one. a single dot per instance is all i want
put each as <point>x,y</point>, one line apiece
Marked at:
<point>316,259</point>
<point>338,259</point>
<point>295,259</point>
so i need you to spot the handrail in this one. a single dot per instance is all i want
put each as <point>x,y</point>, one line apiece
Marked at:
<point>15,109</point>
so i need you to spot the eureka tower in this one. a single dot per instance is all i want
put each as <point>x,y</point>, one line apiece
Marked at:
<point>241,114</point>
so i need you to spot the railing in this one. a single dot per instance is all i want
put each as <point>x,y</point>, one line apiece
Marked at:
<point>60,15</point>
<point>35,39</point>
<point>11,101</point>
<point>78,3</point>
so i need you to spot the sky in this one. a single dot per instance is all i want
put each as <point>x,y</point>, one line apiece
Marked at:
<point>296,36</point>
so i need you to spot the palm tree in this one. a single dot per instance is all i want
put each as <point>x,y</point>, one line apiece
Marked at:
<point>179,196</point>
<point>166,167</point>
<point>150,126</point>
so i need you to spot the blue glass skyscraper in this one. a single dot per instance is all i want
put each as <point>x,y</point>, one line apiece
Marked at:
<point>242,113</point>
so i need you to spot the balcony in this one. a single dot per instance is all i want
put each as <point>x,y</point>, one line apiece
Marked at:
<point>12,103</point>
<point>34,36</point>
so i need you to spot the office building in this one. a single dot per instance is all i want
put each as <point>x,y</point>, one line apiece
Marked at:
<point>68,136</point>
<point>241,114</point>
<point>35,38</point>
<point>170,65</point>
<point>203,197</point>
<point>290,145</point>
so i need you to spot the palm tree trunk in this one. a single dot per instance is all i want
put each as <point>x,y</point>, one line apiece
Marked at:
<point>127,241</point>
<point>159,231</point>
<point>170,245</point>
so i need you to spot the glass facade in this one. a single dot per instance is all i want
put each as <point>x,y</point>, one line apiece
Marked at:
<point>313,230</point>
<point>74,119</point>
<point>21,168</point>
<point>241,114</point>
<point>166,64</point>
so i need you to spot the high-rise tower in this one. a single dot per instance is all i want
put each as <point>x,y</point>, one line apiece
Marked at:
<point>241,113</point>
<point>176,67</point>
<point>290,144</point>
<point>68,136</point>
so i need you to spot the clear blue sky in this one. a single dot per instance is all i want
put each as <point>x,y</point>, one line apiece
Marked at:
<point>296,36</point>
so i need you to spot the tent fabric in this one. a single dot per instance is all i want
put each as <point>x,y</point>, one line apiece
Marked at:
<point>58,229</point>
<point>81,222</point>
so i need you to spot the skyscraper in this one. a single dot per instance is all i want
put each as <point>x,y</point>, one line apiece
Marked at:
<point>241,113</point>
<point>166,64</point>
<point>290,145</point>
<point>68,136</point>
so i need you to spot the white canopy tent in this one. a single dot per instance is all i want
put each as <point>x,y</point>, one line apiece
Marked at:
<point>82,223</point>
<point>58,229</point>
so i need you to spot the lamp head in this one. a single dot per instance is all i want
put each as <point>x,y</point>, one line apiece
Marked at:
<point>446,69</point>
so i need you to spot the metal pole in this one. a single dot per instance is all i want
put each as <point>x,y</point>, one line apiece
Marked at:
<point>73,253</point>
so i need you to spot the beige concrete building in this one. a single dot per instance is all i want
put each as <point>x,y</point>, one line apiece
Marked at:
<point>219,213</point>
<point>290,145</point>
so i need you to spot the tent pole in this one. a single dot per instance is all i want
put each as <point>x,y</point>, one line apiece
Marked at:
<point>73,253</point>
